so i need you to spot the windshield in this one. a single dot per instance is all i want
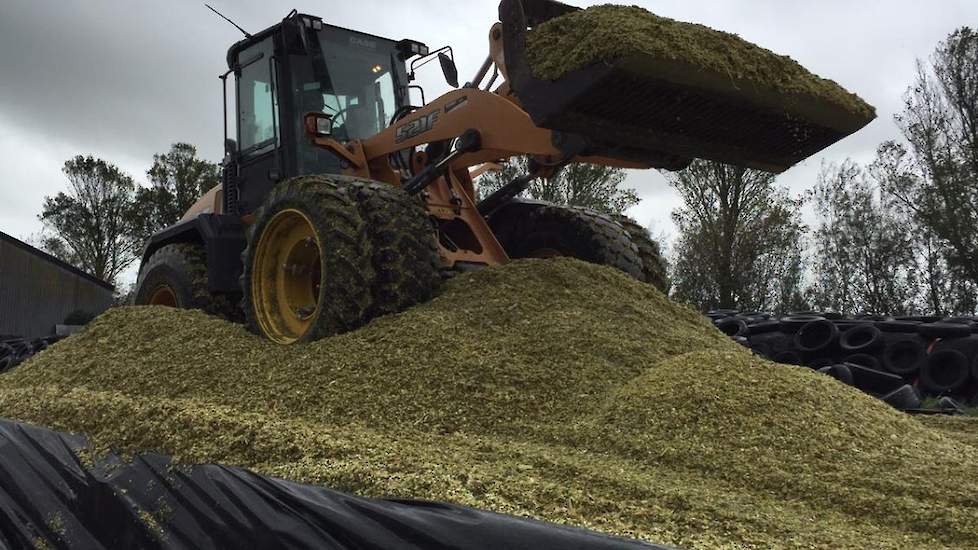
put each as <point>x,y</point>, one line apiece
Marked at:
<point>352,77</point>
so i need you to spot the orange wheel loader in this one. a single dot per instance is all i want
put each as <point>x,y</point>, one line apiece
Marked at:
<point>341,201</point>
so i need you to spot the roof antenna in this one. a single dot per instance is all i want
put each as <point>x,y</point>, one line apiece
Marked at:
<point>228,20</point>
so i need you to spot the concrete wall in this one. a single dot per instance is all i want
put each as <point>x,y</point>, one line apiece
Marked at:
<point>38,291</point>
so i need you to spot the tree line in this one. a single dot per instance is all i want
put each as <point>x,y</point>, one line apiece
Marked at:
<point>898,235</point>
<point>102,221</point>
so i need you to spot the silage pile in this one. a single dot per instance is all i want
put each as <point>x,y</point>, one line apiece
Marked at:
<point>609,32</point>
<point>555,389</point>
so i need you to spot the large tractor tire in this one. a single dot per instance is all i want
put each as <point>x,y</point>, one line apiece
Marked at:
<point>547,231</point>
<point>654,267</point>
<point>404,251</point>
<point>176,276</point>
<point>328,253</point>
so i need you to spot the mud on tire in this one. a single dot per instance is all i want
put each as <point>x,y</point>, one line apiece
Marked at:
<point>182,268</point>
<point>568,231</point>
<point>404,252</point>
<point>654,267</point>
<point>344,296</point>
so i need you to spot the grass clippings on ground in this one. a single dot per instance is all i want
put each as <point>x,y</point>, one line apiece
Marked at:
<point>554,389</point>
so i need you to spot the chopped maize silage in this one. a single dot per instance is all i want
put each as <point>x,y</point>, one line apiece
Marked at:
<point>555,389</point>
<point>609,32</point>
<point>960,428</point>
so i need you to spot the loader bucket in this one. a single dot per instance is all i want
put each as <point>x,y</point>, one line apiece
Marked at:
<point>665,112</point>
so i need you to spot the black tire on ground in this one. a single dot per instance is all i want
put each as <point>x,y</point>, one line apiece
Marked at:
<point>732,327</point>
<point>788,358</point>
<point>39,345</point>
<point>945,371</point>
<point>819,362</point>
<point>21,349</point>
<point>404,250</point>
<point>7,356</point>
<point>654,267</point>
<point>909,327</point>
<point>176,276</point>
<point>847,324</point>
<point>918,318</point>
<point>944,330</point>
<point>723,312</point>
<point>864,359</point>
<point>792,323</point>
<point>760,348</point>
<point>904,356</point>
<point>861,338</point>
<point>776,342</point>
<point>817,336</point>
<point>903,398</point>
<point>343,295</point>
<point>874,381</point>
<point>547,231</point>
<point>764,326</point>
<point>754,317</point>
<point>839,372</point>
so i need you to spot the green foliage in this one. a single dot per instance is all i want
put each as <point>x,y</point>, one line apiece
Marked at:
<point>586,185</point>
<point>935,176</point>
<point>177,179</point>
<point>740,239</point>
<point>864,256</point>
<point>93,225</point>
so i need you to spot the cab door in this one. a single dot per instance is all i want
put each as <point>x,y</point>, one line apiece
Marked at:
<point>258,124</point>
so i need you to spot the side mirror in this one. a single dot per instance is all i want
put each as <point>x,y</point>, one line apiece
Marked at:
<point>318,125</point>
<point>448,69</point>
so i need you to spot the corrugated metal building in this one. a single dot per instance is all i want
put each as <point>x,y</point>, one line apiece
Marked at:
<point>37,290</point>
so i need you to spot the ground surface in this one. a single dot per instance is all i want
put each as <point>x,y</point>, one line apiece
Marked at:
<point>554,389</point>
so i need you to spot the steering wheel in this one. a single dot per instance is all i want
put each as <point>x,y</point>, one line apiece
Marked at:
<point>336,115</point>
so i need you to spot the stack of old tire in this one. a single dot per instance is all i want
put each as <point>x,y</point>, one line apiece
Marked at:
<point>898,359</point>
<point>15,350</point>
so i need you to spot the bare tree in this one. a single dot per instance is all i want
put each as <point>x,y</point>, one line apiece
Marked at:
<point>93,225</point>
<point>740,239</point>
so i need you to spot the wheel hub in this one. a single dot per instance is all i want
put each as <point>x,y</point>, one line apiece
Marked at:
<point>163,296</point>
<point>286,277</point>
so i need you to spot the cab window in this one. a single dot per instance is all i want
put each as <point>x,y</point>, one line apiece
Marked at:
<point>257,103</point>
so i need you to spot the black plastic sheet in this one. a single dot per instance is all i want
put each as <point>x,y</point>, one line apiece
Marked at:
<point>52,497</point>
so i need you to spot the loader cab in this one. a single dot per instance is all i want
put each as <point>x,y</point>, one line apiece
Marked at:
<point>299,66</point>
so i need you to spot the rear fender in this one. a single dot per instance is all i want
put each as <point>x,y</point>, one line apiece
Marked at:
<point>223,239</point>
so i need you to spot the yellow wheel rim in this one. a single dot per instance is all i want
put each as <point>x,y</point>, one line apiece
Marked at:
<point>285,277</point>
<point>163,296</point>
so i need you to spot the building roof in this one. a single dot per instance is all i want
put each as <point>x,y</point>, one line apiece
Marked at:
<point>60,263</point>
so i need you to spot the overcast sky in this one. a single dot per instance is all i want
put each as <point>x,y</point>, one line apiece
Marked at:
<point>124,79</point>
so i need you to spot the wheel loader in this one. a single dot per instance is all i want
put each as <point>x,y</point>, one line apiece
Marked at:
<point>341,201</point>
